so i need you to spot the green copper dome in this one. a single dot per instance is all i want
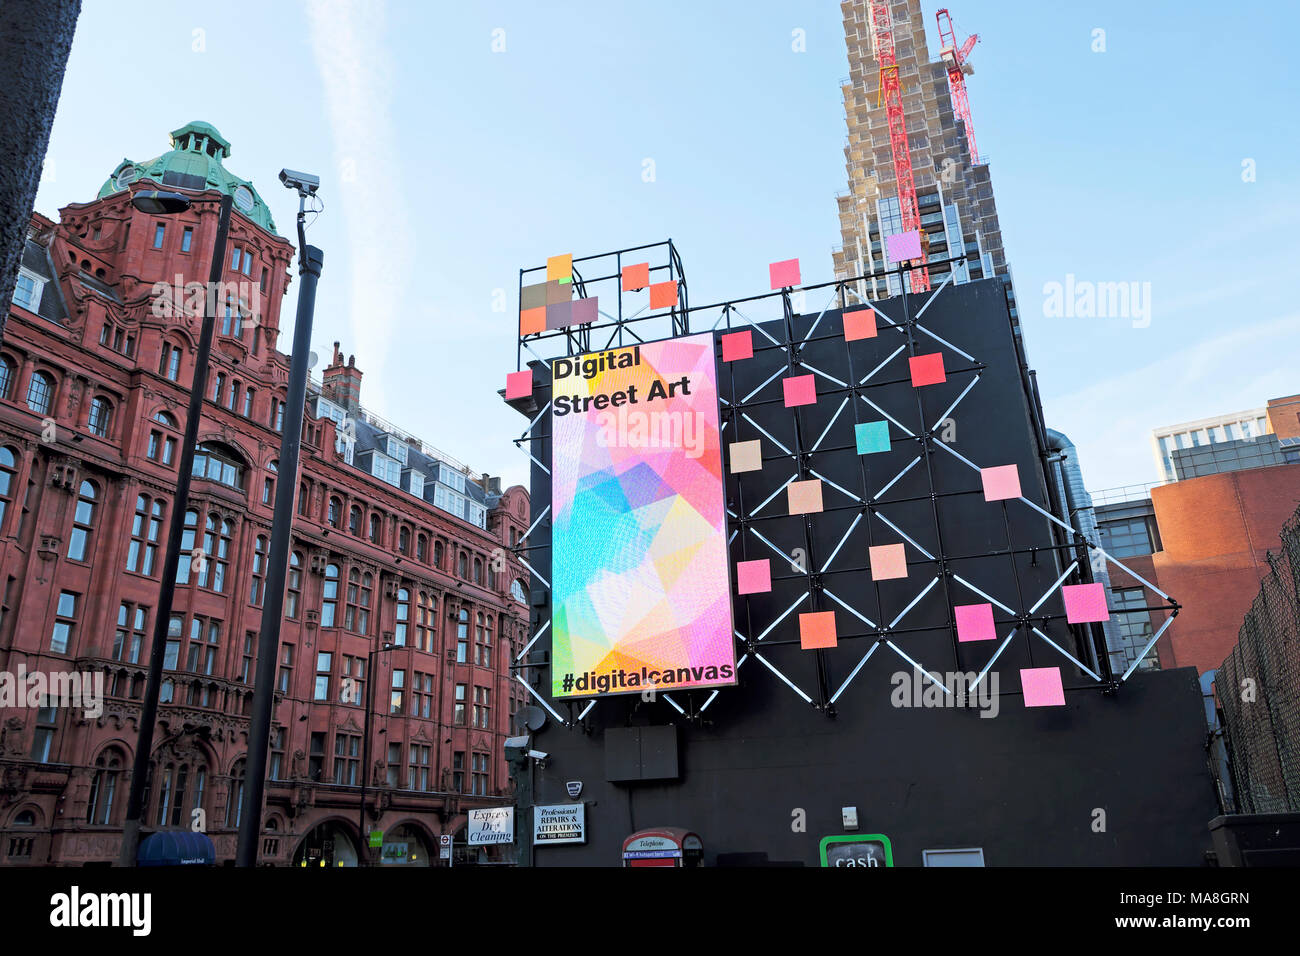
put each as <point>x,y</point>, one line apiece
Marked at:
<point>194,163</point>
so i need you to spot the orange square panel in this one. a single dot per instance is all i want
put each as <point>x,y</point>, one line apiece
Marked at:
<point>560,268</point>
<point>817,630</point>
<point>663,295</point>
<point>636,277</point>
<point>859,324</point>
<point>532,321</point>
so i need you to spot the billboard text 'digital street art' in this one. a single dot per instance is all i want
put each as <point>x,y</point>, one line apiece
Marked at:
<point>641,590</point>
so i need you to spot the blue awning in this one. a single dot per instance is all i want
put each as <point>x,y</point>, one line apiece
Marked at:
<point>177,848</point>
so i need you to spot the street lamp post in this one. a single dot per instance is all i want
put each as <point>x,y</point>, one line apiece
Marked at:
<point>310,261</point>
<point>363,856</point>
<point>165,203</point>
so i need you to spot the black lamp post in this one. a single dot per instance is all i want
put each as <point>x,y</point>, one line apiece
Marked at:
<point>310,261</point>
<point>363,852</point>
<point>158,203</point>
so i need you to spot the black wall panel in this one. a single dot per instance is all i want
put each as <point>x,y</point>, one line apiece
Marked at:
<point>1024,785</point>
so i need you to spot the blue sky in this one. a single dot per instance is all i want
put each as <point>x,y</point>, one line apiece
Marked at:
<point>447,166</point>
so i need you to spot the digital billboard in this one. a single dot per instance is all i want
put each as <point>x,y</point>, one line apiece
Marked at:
<point>641,592</point>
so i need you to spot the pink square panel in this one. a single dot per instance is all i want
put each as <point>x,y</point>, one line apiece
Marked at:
<point>753,577</point>
<point>974,622</point>
<point>903,246</point>
<point>1085,603</point>
<point>927,369</point>
<point>784,273</point>
<point>800,390</point>
<point>1001,482</point>
<point>737,346</point>
<point>1042,687</point>
<point>519,384</point>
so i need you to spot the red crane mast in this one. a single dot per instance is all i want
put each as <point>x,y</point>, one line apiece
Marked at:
<point>891,95</point>
<point>955,60</point>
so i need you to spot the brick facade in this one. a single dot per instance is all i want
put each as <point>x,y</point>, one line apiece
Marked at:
<point>374,564</point>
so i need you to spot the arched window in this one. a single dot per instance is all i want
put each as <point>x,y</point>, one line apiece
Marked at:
<point>163,418</point>
<point>374,529</point>
<point>101,417</point>
<point>235,800</point>
<point>462,637</point>
<point>517,591</point>
<point>219,463</point>
<point>146,528</point>
<point>103,787</point>
<point>294,583</point>
<point>170,365</point>
<point>481,640</point>
<point>357,614</point>
<point>329,602</point>
<point>248,403</point>
<point>8,471</point>
<point>462,565</point>
<point>180,791</point>
<point>422,548</point>
<point>335,515</point>
<point>190,558</point>
<point>268,484</point>
<point>426,622</point>
<point>257,591</point>
<point>438,554</point>
<point>304,498</point>
<point>83,522</point>
<point>478,570</point>
<point>354,521</point>
<point>403,616</point>
<point>219,387</point>
<point>404,539</point>
<point>7,370</point>
<point>215,561</point>
<point>40,393</point>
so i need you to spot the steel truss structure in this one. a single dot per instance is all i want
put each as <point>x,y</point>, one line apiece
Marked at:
<point>1015,554</point>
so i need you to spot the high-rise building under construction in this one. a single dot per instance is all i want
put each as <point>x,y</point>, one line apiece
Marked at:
<point>953,187</point>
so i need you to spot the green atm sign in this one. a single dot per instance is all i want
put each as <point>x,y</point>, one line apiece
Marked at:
<point>867,849</point>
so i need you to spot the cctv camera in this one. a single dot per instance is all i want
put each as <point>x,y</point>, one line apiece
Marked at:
<point>305,183</point>
<point>538,754</point>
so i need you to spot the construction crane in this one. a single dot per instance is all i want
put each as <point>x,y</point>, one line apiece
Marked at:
<point>891,96</point>
<point>958,70</point>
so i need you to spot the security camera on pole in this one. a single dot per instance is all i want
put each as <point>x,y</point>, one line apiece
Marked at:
<point>310,260</point>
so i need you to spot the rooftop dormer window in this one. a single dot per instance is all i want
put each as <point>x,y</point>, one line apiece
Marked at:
<point>27,292</point>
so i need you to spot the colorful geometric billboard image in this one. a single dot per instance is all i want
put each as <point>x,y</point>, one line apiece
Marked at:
<point>641,596</point>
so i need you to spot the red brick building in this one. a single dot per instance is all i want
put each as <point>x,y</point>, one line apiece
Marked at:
<point>1205,541</point>
<point>393,543</point>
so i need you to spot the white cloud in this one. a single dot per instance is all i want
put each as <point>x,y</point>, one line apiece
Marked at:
<point>349,46</point>
<point>1110,421</point>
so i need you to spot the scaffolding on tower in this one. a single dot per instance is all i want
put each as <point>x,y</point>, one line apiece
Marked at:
<point>891,96</point>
